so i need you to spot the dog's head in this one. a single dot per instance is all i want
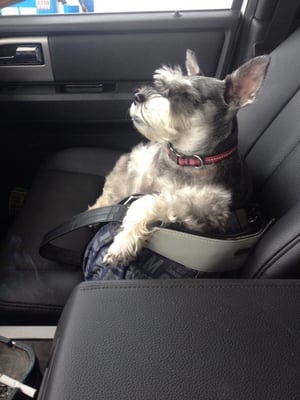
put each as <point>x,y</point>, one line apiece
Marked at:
<point>191,108</point>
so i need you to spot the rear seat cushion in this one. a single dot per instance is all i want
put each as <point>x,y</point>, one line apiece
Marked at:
<point>32,288</point>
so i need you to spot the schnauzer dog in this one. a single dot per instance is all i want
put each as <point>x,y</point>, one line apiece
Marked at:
<point>191,170</point>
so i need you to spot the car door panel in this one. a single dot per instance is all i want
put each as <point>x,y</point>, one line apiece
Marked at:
<point>98,60</point>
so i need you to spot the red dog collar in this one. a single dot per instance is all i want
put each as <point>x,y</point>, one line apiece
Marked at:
<point>196,160</point>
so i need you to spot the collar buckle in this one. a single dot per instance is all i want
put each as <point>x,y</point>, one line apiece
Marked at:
<point>201,162</point>
<point>195,160</point>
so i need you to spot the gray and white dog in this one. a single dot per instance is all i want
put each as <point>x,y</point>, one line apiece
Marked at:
<point>191,168</point>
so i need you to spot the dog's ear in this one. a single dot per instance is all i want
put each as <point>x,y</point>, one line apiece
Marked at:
<point>243,84</point>
<point>191,63</point>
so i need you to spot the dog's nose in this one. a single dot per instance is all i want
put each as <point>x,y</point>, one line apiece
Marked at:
<point>139,97</point>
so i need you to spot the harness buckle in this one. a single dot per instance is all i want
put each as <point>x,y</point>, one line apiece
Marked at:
<point>132,198</point>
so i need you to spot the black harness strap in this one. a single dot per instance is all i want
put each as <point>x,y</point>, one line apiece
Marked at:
<point>98,216</point>
<point>240,222</point>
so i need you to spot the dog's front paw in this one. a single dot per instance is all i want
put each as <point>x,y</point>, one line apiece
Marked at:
<point>123,249</point>
<point>115,260</point>
<point>117,256</point>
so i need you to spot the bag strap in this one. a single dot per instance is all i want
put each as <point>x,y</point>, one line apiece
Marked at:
<point>98,216</point>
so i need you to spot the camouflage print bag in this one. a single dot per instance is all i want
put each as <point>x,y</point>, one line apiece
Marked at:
<point>148,265</point>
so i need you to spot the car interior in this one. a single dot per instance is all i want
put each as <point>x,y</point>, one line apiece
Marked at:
<point>65,122</point>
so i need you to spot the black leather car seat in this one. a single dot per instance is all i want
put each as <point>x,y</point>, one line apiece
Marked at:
<point>269,139</point>
<point>34,290</point>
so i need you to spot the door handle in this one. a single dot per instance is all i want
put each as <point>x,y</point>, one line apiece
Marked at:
<point>21,54</point>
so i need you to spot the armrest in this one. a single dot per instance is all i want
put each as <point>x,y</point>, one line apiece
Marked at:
<point>178,339</point>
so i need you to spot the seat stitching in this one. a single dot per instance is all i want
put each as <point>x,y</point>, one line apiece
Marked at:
<point>281,162</point>
<point>270,122</point>
<point>192,286</point>
<point>29,306</point>
<point>70,172</point>
<point>279,254</point>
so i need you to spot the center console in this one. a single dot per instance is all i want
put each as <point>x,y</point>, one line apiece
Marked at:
<point>177,339</point>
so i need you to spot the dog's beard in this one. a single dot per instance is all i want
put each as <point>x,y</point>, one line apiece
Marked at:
<point>153,120</point>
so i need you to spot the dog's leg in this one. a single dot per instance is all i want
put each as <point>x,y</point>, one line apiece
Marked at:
<point>196,209</point>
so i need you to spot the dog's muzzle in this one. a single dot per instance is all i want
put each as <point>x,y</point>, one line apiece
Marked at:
<point>139,99</point>
<point>134,114</point>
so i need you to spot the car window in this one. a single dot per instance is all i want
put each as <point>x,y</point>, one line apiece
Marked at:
<point>31,7</point>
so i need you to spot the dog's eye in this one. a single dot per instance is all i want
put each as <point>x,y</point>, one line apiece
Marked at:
<point>178,94</point>
<point>184,97</point>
